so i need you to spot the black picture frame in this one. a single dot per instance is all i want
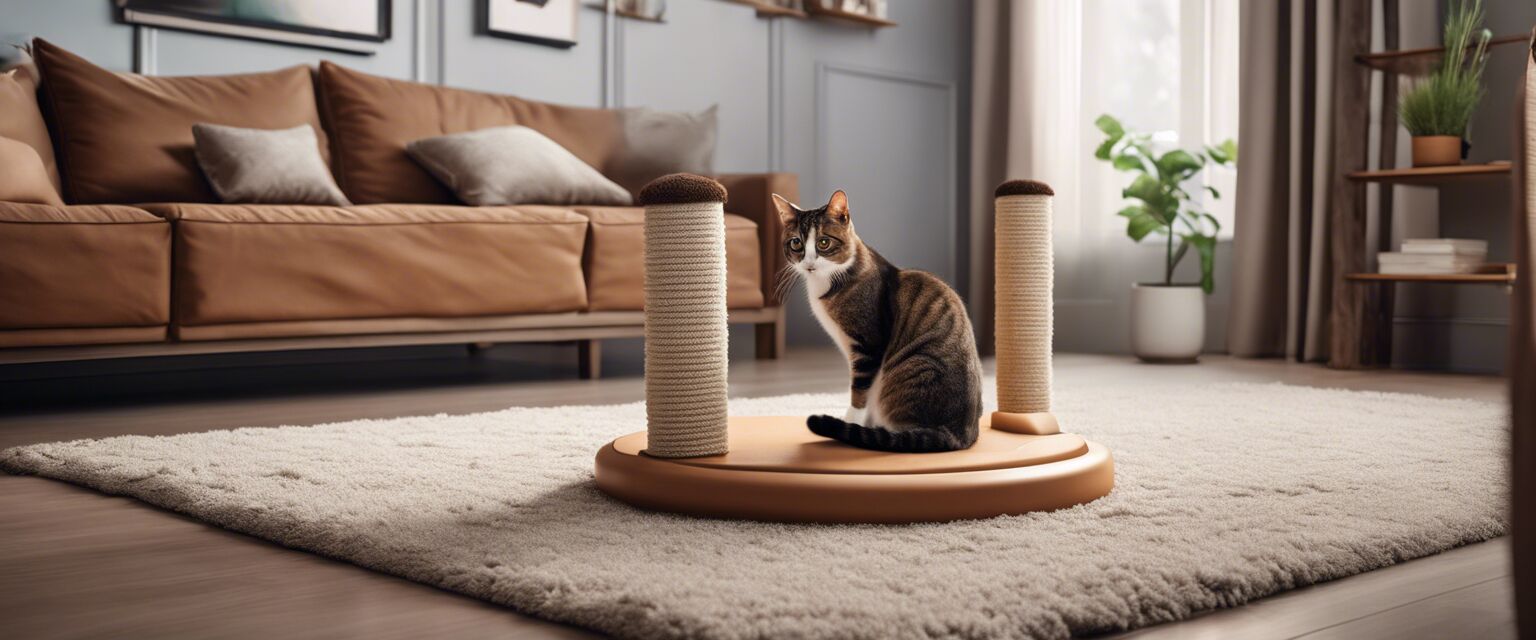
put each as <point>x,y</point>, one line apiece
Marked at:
<point>483,27</point>
<point>166,15</point>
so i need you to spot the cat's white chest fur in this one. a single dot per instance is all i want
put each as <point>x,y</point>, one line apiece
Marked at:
<point>816,286</point>
<point>817,283</point>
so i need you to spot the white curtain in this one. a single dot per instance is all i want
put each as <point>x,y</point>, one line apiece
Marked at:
<point>1044,70</point>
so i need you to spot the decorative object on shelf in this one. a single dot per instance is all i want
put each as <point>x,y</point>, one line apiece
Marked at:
<point>869,13</point>
<point>1439,256</point>
<point>646,10</point>
<point>776,8</point>
<point>1167,318</point>
<point>546,22</point>
<point>338,25</point>
<point>1437,109</point>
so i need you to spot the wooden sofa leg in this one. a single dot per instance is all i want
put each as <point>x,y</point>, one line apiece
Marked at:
<point>589,359</point>
<point>770,338</point>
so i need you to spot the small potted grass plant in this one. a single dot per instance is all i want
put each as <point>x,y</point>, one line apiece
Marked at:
<point>1167,317</point>
<point>1437,109</point>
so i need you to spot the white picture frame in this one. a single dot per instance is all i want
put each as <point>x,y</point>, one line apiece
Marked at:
<point>547,22</point>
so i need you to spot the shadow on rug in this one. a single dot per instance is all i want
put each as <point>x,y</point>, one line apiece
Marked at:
<point>1223,496</point>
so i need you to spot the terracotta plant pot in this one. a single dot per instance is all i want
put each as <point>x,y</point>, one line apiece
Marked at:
<point>1167,323</point>
<point>1436,151</point>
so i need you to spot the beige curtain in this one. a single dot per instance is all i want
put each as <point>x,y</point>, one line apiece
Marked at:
<point>1522,345</point>
<point>1280,271</point>
<point>1024,70</point>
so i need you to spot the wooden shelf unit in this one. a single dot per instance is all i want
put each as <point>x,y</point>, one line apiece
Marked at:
<point>1418,61</point>
<point>1503,273</point>
<point>1361,315</point>
<point>818,11</point>
<point>1434,175</point>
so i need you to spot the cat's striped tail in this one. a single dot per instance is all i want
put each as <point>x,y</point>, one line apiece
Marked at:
<point>917,440</point>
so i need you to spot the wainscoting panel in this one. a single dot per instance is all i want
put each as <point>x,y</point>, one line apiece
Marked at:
<point>889,141</point>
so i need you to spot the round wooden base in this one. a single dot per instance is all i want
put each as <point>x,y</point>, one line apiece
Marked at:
<point>777,470</point>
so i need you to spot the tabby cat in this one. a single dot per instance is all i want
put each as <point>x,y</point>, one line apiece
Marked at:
<point>916,374</point>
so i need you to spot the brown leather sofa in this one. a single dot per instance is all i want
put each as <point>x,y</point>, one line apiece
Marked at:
<point>143,259</point>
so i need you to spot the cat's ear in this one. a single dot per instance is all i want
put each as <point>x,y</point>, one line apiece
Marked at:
<point>787,211</point>
<point>837,207</point>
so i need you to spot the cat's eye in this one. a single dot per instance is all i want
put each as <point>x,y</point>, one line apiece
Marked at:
<point>822,244</point>
<point>796,245</point>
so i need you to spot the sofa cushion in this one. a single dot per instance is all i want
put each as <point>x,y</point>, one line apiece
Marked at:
<point>658,143</point>
<point>264,263</point>
<point>22,120</point>
<point>513,165</point>
<point>265,166</point>
<point>615,260</point>
<point>371,119</point>
<point>24,178</point>
<point>128,138</point>
<point>82,267</point>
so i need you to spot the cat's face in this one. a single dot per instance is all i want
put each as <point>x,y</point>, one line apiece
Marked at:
<point>818,242</point>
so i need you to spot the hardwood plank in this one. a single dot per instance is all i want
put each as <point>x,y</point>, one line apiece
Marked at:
<point>1484,610</point>
<point>1417,61</point>
<point>1432,176</point>
<point>1295,613</point>
<point>1495,273</point>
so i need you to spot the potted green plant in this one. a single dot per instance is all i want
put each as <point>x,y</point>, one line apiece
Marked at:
<point>1438,108</point>
<point>1167,317</point>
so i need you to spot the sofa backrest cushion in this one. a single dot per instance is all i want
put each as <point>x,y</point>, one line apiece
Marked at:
<point>126,138</point>
<point>22,120</point>
<point>371,119</point>
<point>22,175</point>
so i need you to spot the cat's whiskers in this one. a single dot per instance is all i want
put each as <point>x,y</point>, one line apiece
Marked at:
<point>785,281</point>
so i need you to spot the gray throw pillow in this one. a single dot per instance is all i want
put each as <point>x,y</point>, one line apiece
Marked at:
<point>265,166</point>
<point>513,165</point>
<point>657,143</point>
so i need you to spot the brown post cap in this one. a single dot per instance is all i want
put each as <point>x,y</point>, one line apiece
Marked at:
<point>682,188</point>
<point>1023,188</point>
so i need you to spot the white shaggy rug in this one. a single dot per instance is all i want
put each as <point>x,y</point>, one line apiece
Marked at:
<point>1225,493</point>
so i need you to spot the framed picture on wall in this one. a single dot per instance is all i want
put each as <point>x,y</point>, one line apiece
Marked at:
<point>353,26</point>
<point>547,22</point>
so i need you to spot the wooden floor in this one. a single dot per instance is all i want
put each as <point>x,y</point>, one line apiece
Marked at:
<point>74,563</point>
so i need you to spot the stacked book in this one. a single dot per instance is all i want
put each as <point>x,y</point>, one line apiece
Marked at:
<point>1435,256</point>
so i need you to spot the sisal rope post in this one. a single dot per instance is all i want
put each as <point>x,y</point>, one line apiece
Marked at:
<point>686,328</point>
<point>1024,308</point>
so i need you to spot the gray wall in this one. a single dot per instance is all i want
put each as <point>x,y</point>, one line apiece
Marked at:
<point>878,113</point>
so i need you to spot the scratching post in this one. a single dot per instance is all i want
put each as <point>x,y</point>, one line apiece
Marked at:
<point>685,317</point>
<point>776,469</point>
<point>1024,308</point>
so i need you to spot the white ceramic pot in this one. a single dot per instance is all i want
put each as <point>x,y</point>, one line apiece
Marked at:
<point>1167,323</point>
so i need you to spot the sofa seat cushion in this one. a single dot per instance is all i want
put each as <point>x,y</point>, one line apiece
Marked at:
<point>82,267</point>
<point>266,263</point>
<point>615,260</point>
<point>128,138</point>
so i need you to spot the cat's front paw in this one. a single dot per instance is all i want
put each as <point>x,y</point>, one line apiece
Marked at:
<point>855,415</point>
